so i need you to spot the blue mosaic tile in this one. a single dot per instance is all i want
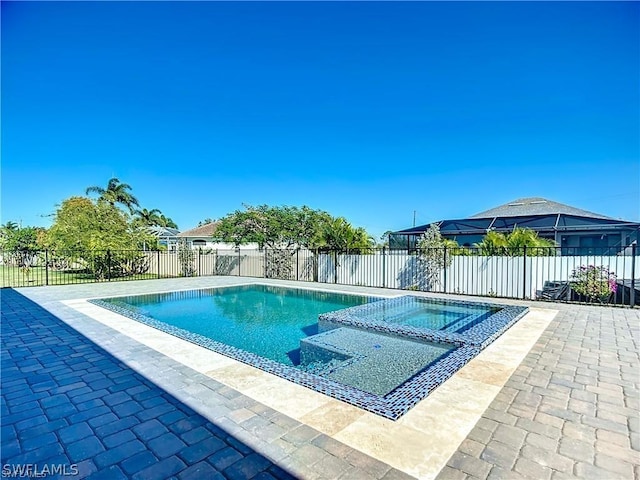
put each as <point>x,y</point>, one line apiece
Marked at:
<point>465,344</point>
<point>481,332</point>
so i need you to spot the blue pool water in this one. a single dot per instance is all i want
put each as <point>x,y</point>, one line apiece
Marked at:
<point>268,321</point>
<point>429,313</point>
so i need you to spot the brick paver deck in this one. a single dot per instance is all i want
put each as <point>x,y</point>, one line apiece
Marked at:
<point>67,403</point>
<point>571,409</point>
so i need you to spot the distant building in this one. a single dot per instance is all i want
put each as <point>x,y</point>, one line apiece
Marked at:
<point>204,236</point>
<point>200,236</point>
<point>167,236</point>
<point>573,229</point>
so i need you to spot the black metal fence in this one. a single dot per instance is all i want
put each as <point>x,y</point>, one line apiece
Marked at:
<point>523,273</point>
<point>37,268</point>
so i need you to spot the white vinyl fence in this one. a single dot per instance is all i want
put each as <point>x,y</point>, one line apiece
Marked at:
<point>500,276</point>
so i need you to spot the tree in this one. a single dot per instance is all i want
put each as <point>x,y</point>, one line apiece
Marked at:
<point>116,192</point>
<point>454,249</point>
<point>9,227</point>
<point>186,257</point>
<point>153,218</point>
<point>148,218</point>
<point>339,235</point>
<point>166,222</point>
<point>281,230</point>
<point>431,257</point>
<point>6,232</point>
<point>284,229</point>
<point>525,237</point>
<point>493,243</point>
<point>20,245</point>
<point>98,235</point>
<point>21,239</point>
<point>272,227</point>
<point>496,243</point>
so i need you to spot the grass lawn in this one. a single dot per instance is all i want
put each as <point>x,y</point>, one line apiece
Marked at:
<point>16,277</point>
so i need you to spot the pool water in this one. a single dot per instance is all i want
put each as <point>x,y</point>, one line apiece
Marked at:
<point>369,361</point>
<point>430,314</point>
<point>281,324</point>
<point>268,321</point>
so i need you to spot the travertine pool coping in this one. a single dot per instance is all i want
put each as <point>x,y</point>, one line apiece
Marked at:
<point>419,443</point>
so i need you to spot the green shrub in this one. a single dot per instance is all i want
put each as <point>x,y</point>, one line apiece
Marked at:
<point>595,283</point>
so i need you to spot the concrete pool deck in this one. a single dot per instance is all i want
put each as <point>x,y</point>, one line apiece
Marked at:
<point>512,412</point>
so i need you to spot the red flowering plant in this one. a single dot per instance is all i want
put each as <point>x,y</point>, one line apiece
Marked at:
<point>595,283</point>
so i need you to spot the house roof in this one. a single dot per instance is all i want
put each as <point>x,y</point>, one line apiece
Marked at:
<point>206,230</point>
<point>535,213</point>
<point>535,206</point>
<point>163,231</point>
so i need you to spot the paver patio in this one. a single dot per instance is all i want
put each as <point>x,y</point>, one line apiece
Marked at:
<point>570,410</point>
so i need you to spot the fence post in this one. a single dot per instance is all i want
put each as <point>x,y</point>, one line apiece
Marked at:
<point>199,261</point>
<point>335,266</point>
<point>46,266</point>
<point>239,260</point>
<point>445,270</point>
<point>158,261</point>
<point>316,266</point>
<point>109,265</point>
<point>298,264</point>
<point>524,273</point>
<point>384,267</point>
<point>264,275</point>
<point>632,297</point>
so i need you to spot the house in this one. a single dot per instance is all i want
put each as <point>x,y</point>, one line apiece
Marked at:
<point>203,237</point>
<point>166,236</point>
<point>573,229</point>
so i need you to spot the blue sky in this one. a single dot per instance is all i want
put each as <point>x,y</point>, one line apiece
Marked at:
<point>368,110</point>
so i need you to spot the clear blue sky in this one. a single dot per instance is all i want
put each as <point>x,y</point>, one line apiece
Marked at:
<point>368,110</point>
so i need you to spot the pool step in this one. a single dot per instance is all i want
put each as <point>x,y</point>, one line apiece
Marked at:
<point>369,361</point>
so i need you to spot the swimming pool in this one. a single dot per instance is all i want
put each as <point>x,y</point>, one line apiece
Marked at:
<point>265,320</point>
<point>381,354</point>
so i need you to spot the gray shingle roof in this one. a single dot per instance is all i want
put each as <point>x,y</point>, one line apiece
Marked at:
<point>535,206</point>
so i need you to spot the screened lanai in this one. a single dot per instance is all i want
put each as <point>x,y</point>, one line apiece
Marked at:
<point>574,230</point>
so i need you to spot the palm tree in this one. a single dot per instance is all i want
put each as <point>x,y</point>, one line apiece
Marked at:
<point>339,234</point>
<point>167,222</point>
<point>493,243</point>
<point>453,248</point>
<point>496,243</point>
<point>116,192</point>
<point>149,218</point>
<point>10,226</point>
<point>525,237</point>
<point>7,230</point>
